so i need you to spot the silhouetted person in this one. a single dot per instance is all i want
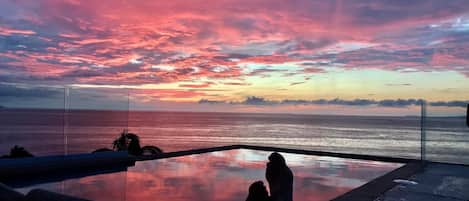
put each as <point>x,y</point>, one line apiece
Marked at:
<point>257,192</point>
<point>280,178</point>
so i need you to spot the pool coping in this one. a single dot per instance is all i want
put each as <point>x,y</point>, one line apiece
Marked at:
<point>373,189</point>
<point>278,149</point>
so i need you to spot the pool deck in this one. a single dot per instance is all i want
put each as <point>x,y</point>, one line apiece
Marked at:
<point>433,181</point>
<point>437,181</point>
<point>376,187</point>
<point>277,149</point>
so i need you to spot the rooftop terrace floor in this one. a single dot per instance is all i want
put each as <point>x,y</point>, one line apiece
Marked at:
<point>437,182</point>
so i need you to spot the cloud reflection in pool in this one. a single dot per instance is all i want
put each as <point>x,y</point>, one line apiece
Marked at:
<point>222,176</point>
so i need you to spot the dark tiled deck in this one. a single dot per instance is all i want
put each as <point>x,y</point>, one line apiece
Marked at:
<point>437,182</point>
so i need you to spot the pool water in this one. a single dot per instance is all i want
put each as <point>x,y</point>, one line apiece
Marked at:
<point>221,176</point>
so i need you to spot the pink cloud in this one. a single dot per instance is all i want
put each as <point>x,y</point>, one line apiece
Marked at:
<point>203,85</point>
<point>168,93</point>
<point>109,42</point>
<point>313,70</point>
<point>9,31</point>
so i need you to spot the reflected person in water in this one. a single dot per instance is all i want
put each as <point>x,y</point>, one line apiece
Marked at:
<point>280,179</point>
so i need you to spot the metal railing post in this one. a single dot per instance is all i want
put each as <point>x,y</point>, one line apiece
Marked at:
<point>65,118</point>
<point>423,134</point>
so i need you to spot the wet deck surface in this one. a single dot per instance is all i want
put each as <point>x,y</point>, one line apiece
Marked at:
<point>437,182</point>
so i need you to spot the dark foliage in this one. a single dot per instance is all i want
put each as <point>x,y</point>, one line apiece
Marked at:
<point>18,152</point>
<point>130,142</point>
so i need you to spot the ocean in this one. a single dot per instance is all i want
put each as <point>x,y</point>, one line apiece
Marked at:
<point>48,132</point>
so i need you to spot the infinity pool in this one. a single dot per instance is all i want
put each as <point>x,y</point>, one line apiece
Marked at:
<point>220,176</point>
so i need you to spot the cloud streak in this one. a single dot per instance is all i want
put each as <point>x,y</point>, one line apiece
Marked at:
<point>253,100</point>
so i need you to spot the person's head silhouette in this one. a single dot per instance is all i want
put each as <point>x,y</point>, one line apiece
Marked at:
<point>277,159</point>
<point>257,192</point>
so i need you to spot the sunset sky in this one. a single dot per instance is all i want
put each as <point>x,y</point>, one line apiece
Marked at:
<point>306,56</point>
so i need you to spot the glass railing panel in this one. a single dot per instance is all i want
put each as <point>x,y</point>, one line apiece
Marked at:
<point>334,114</point>
<point>267,120</point>
<point>164,130</point>
<point>31,117</point>
<point>359,126</point>
<point>277,130</point>
<point>446,132</point>
<point>343,129</point>
<point>369,133</point>
<point>175,126</point>
<point>95,118</point>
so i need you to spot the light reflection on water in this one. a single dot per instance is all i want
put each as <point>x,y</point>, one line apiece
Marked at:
<point>87,131</point>
<point>221,176</point>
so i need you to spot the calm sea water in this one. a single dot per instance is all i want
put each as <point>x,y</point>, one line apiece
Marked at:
<point>46,132</point>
